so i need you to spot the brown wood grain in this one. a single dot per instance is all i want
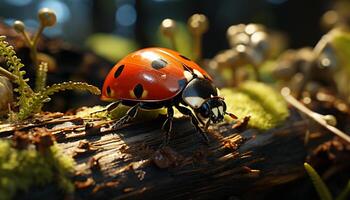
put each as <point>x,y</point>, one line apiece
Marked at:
<point>129,164</point>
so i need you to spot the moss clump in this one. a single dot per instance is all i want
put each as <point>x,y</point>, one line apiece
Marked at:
<point>21,169</point>
<point>141,114</point>
<point>266,107</point>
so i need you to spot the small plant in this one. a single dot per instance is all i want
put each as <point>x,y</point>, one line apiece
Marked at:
<point>30,102</point>
<point>321,187</point>
<point>35,160</point>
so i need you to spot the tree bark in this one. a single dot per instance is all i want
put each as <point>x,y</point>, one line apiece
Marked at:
<point>130,164</point>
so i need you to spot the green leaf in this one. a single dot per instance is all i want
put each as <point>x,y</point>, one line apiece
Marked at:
<point>36,101</point>
<point>320,186</point>
<point>345,193</point>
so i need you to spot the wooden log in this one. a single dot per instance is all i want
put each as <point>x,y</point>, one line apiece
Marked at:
<point>129,164</point>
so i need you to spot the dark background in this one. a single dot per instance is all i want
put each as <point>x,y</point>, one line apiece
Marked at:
<point>127,25</point>
<point>139,19</point>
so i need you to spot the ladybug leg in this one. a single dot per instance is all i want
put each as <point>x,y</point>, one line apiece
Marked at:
<point>130,114</point>
<point>194,121</point>
<point>207,125</point>
<point>168,124</point>
<point>108,108</point>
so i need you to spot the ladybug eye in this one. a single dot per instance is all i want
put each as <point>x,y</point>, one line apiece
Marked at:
<point>204,110</point>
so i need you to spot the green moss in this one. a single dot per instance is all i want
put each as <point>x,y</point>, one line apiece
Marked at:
<point>120,111</point>
<point>265,105</point>
<point>141,115</point>
<point>21,169</point>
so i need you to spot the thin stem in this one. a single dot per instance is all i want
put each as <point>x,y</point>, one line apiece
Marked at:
<point>27,39</point>
<point>34,51</point>
<point>34,56</point>
<point>313,115</point>
<point>197,43</point>
<point>37,35</point>
<point>13,78</point>
<point>8,74</point>
<point>173,43</point>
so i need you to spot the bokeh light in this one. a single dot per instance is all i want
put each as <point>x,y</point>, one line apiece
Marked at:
<point>126,15</point>
<point>61,9</point>
<point>18,2</point>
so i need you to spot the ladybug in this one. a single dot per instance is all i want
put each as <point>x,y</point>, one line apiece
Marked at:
<point>154,78</point>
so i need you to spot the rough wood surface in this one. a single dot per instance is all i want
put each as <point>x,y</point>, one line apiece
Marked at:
<point>128,163</point>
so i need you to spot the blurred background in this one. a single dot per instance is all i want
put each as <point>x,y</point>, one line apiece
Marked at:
<point>92,35</point>
<point>138,21</point>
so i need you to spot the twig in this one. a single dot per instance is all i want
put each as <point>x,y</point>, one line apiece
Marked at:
<point>7,74</point>
<point>313,115</point>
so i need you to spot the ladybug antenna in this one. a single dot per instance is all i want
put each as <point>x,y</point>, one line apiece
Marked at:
<point>231,115</point>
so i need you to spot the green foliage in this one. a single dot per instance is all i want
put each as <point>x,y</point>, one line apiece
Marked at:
<point>345,193</point>
<point>265,105</point>
<point>14,65</point>
<point>111,47</point>
<point>22,169</point>
<point>38,98</point>
<point>30,102</point>
<point>341,41</point>
<point>321,187</point>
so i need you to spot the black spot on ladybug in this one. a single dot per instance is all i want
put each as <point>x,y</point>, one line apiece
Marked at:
<point>138,90</point>
<point>184,57</point>
<point>159,63</point>
<point>118,71</point>
<point>109,91</point>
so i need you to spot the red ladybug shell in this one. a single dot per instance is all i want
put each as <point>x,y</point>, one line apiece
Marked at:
<point>151,74</point>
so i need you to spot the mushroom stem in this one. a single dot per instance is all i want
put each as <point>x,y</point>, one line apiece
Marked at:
<point>27,38</point>
<point>173,42</point>
<point>321,119</point>
<point>168,29</point>
<point>37,35</point>
<point>197,47</point>
<point>197,25</point>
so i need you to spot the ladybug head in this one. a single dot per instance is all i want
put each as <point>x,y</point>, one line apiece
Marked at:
<point>213,109</point>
